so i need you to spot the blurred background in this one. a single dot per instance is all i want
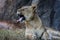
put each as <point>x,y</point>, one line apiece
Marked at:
<point>47,10</point>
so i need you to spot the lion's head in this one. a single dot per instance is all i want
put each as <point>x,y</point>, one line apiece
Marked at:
<point>27,11</point>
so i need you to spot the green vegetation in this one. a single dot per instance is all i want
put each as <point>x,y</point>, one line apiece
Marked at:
<point>12,34</point>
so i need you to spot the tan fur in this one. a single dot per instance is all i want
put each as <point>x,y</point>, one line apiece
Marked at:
<point>33,23</point>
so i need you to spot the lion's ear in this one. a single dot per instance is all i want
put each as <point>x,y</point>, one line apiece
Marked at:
<point>34,7</point>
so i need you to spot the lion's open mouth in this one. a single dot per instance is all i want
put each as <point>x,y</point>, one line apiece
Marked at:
<point>21,18</point>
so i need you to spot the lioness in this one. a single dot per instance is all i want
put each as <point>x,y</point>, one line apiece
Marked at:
<point>34,28</point>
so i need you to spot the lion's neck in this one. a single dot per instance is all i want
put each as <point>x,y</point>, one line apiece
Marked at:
<point>36,22</point>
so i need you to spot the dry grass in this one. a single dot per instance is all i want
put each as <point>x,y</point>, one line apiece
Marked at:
<point>12,34</point>
<point>17,34</point>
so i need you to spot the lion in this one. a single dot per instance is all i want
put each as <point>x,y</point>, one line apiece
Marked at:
<point>34,27</point>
